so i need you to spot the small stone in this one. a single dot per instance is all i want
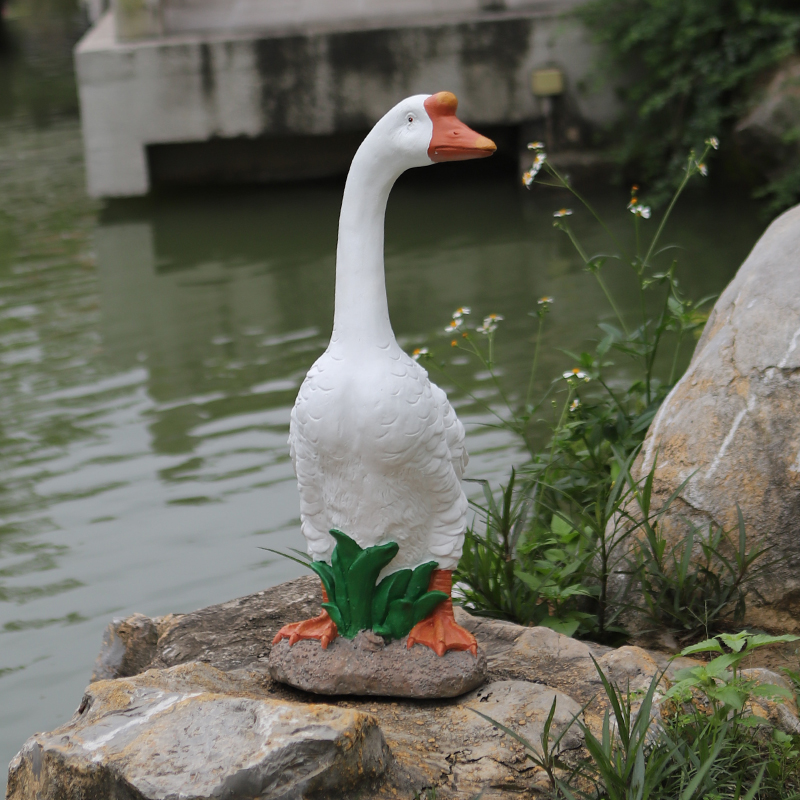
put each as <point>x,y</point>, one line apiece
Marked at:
<point>128,647</point>
<point>347,667</point>
<point>369,642</point>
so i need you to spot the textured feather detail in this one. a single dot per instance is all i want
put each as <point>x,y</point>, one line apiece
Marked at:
<point>454,432</point>
<point>379,453</point>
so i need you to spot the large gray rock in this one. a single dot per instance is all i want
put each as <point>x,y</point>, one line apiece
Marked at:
<point>368,666</point>
<point>194,732</point>
<point>732,423</point>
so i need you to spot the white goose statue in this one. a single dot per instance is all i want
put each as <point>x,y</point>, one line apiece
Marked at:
<point>377,448</point>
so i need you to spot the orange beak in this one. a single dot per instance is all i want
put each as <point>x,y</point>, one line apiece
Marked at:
<point>452,140</point>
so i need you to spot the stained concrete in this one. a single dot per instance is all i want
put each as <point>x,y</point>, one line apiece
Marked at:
<point>318,78</point>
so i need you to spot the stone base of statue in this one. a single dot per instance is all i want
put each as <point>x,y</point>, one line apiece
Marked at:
<point>367,665</point>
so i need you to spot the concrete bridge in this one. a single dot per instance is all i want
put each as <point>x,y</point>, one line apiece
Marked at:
<point>225,90</point>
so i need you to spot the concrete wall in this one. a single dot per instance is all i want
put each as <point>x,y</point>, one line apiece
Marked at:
<point>318,81</point>
<point>182,16</point>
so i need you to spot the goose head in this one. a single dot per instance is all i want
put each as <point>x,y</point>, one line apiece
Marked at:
<point>423,130</point>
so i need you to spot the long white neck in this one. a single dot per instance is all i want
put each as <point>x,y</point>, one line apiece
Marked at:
<point>361,314</point>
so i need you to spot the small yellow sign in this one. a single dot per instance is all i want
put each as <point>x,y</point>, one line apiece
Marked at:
<point>547,82</point>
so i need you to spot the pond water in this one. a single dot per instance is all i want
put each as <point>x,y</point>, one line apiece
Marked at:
<point>150,352</point>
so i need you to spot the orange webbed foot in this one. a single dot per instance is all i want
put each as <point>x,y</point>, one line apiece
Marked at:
<point>441,633</point>
<point>439,630</point>
<point>322,628</point>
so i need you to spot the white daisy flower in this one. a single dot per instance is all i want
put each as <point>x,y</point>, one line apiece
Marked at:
<point>576,374</point>
<point>638,210</point>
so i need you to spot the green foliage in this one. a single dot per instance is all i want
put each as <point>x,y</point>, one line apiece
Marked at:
<point>707,746</point>
<point>543,553</point>
<point>688,69</point>
<point>537,585</point>
<point>691,593</point>
<point>355,603</point>
<point>720,680</point>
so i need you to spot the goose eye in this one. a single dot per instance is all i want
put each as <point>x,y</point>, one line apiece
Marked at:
<point>410,118</point>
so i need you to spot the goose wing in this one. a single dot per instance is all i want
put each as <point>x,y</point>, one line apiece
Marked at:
<point>453,431</point>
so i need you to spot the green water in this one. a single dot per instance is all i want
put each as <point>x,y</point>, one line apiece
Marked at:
<point>150,352</point>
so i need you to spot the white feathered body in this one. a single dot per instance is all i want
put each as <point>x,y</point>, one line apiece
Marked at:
<point>379,454</point>
<point>377,448</point>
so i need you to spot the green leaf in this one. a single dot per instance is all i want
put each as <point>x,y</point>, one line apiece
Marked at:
<point>531,581</point>
<point>325,572</point>
<point>708,646</point>
<point>425,605</point>
<point>567,627</point>
<point>688,793</point>
<point>560,525</point>
<point>771,690</point>
<point>736,641</point>
<point>420,580</point>
<point>761,639</point>
<point>349,550</point>
<point>756,784</point>
<point>730,696</point>
<point>361,579</point>
<point>721,664</point>
<point>341,559</point>
<point>399,618</point>
<point>753,722</point>
<point>335,615</point>
<point>392,587</point>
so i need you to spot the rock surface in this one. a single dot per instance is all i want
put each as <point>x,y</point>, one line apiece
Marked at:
<point>203,718</point>
<point>367,666</point>
<point>194,732</point>
<point>732,423</point>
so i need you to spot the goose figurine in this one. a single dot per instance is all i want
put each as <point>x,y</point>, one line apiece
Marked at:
<point>377,448</point>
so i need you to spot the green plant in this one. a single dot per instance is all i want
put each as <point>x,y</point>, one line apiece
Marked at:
<point>537,586</point>
<point>692,593</point>
<point>355,603</point>
<point>687,67</point>
<point>698,740</point>
<point>720,681</point>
